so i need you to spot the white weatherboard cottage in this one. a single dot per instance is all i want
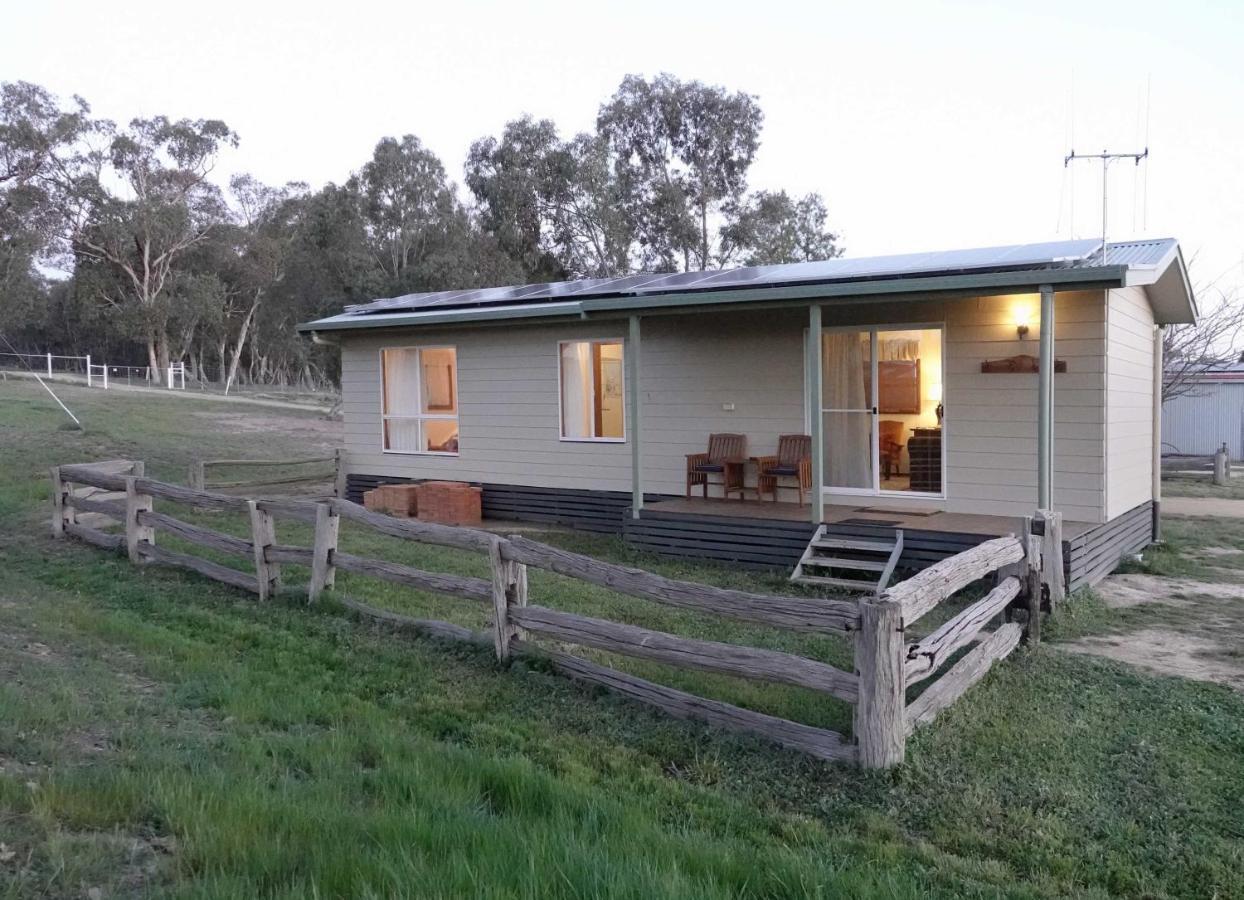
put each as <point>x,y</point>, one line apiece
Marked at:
<point>917,379</point>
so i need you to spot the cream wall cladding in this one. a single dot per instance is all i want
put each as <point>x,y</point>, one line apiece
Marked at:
<point>744,372</point>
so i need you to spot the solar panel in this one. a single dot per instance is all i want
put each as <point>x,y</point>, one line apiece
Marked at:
<point>1052,253</point>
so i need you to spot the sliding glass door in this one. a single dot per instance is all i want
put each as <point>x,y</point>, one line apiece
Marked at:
<point>882,410</point>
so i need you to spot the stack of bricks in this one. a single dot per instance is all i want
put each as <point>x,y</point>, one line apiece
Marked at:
<point>449,503</point>
<point>400,500</point>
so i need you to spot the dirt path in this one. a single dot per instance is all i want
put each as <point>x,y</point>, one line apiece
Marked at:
<point>1203,506</point>
<point>1197,627</point>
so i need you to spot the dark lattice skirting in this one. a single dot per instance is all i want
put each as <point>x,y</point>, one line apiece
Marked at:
<point>598,511</point>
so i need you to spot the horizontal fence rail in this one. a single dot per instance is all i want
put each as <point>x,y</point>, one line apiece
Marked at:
<point>117,492</point>
<point>200,479</point>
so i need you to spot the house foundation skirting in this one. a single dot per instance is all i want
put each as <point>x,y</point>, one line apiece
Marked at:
<point>766,542</point>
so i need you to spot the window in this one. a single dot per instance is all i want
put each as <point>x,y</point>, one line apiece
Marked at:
<point>592,393</point>
<point>420,403</point>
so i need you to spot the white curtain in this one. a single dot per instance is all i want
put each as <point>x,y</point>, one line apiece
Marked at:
<point>848,435</point>
<point>898,348</point>
<point>401,398</point>
<point>577,389</point>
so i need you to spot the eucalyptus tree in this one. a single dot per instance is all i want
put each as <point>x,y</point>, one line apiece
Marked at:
<point>138,206</point>
<point>553,205</point>
<point>38,137</point>
<point>681,151</point>
<point>770,227</point>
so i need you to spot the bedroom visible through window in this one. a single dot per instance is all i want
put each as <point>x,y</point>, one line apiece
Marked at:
<point>592,394</point>
<point>420,402</point>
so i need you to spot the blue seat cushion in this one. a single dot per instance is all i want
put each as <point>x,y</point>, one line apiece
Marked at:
<point>709,467</point>
<point>782,470</point>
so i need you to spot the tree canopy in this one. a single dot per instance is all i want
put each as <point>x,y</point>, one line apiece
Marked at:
<point>120,242</point>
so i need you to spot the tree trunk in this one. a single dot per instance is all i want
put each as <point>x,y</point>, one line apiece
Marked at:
<point>153,361</point>
<point>237,349</point>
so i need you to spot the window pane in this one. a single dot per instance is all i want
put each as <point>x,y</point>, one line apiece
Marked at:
<point>577,389</point>
<point>609,399</point>
<point>401,382</point>
<point>440,435</point>
<point>440,375</point>
<point>592,398</point>
<point>401,435</point>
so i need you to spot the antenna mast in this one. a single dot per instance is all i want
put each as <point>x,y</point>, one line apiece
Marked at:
<point>1106,159</point>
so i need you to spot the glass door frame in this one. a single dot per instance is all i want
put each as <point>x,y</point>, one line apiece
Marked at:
<point>875,424</point>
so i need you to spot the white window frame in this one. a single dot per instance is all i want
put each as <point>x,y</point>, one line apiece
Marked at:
<point>561,425</point>
<point>421,416</point>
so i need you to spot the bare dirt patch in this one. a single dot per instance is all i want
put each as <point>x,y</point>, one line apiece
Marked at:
<point>1122,591</point>
<point>318,433</point>
<point>1199,641</point>
<point>1167,652</point>
<point>1219,551</point>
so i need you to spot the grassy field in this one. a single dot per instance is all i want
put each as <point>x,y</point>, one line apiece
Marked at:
<point>165,736</point>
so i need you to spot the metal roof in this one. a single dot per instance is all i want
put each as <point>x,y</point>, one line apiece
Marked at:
<point>1011,266</point>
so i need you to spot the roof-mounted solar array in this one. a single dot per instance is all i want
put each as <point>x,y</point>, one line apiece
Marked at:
<point>986,259</point>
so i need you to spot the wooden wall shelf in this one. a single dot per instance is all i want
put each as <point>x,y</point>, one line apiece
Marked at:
<point>1019,364</point>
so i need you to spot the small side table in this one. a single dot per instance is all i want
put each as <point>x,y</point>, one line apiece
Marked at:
<point>733,477</point>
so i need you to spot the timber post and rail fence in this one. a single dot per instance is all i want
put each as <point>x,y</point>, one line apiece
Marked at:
<point>89,498</point>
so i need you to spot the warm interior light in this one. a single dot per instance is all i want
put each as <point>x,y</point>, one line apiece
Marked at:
<point>935,392</point>
<point>1023,318</point>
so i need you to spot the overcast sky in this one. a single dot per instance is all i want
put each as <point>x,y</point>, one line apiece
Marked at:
<point>925,125</point>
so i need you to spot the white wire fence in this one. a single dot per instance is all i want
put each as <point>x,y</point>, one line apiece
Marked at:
<point>178,376</point>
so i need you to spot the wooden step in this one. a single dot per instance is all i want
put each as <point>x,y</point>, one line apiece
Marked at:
<point>842,543</point>
<point>837,582</point>
<point>834,562</point>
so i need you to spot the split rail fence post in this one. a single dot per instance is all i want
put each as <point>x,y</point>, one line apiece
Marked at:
<point>323,572</point>
<point>136,533</point>
<point>263,536</point>
<point>880,726</point>
<point>1052,556</point>
<point>340,481</point>
<point>509,588</point>
<point>1034,580</point>
<point>198,477</point>
<point>62,512</point>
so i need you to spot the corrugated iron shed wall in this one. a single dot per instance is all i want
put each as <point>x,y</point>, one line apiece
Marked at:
<point>1201,421</point>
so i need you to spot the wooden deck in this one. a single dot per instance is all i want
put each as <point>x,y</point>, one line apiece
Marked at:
<point>774,535</point>
<point>861,514</point>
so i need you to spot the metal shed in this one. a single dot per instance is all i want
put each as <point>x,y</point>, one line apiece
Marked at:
<point>1212,413</point>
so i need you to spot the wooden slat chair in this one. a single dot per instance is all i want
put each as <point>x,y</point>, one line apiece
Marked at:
<point>725,457</point>
<point>793,460</point>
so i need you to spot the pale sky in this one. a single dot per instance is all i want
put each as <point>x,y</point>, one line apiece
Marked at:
<point>925,125</point>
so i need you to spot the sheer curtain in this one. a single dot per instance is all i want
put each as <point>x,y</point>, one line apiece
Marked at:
<point>848,435</point>
<point>898,348</point>
<point>577,389</point>
<point>401,398</point>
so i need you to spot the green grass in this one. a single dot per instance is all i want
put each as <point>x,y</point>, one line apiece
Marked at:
<point>162,735</point>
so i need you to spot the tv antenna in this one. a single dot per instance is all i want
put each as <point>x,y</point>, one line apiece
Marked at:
<point>1106,159</point>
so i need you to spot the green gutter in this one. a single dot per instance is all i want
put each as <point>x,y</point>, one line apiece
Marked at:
<point>1112,274</point>
<point>397,320</point>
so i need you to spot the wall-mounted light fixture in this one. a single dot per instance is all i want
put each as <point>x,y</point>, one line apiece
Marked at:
<point>1023,316</point>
